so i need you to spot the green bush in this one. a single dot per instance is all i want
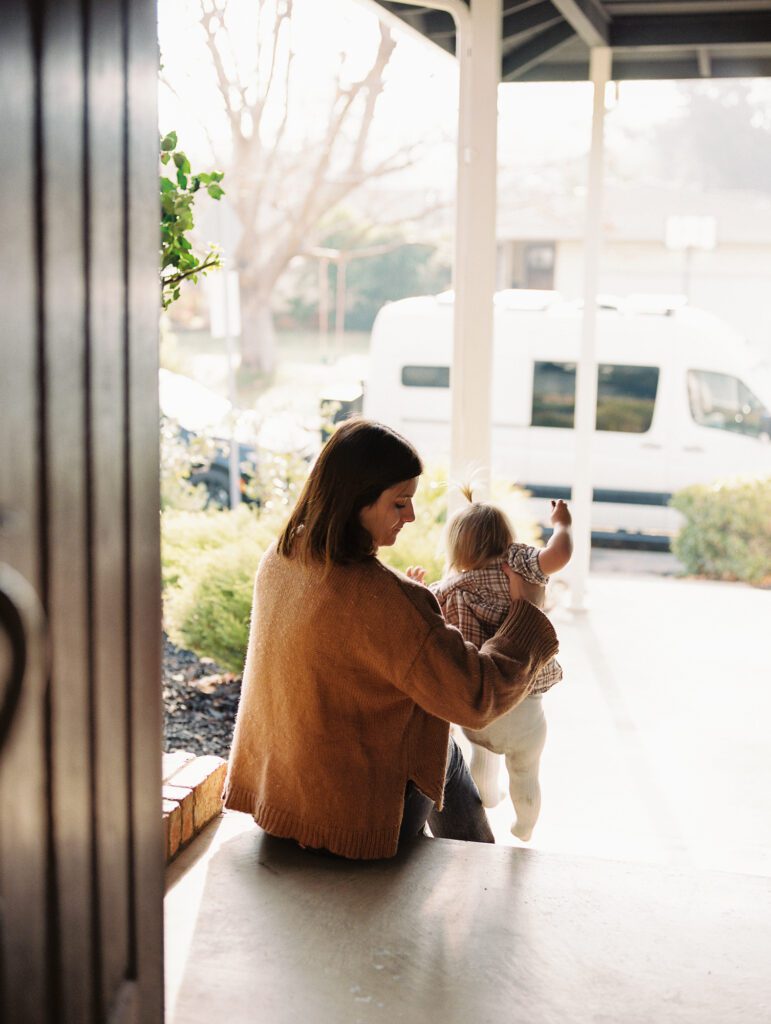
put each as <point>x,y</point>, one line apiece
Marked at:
<point>727,531</point>
<point>209,560</point>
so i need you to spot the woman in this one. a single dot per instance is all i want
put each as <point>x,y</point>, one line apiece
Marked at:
<point>352,676</point>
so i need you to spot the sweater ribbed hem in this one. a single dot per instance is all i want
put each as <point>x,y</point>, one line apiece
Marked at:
<point>366,844</point>
<point>532,633</point>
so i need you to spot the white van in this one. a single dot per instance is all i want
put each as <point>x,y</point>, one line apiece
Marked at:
<point>677,401</point>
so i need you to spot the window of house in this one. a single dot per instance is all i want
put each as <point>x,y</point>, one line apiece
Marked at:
<point>426,376</point>
<point>724,402</point>
<point>626,396</point>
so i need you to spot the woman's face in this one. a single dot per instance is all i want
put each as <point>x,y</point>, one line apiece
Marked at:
<point>385,517</point>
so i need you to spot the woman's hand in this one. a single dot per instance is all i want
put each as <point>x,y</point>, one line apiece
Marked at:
<point>520,589</point>
<point>417,573</point>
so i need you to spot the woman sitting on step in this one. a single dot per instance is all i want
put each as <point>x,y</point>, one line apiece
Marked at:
<point>352,675</point>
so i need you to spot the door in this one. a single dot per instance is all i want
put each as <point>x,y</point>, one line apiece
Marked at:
<point>81,863</point>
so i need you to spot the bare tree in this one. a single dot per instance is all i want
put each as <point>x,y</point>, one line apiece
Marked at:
<point>283,178</point>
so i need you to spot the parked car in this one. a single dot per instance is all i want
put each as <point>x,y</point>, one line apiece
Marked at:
<point>200,413</point>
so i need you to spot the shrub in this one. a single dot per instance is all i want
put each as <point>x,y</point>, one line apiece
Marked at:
<point>208,561</point>
<point>727,531</point>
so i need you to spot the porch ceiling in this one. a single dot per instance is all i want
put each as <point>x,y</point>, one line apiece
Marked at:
<point>549,40</point>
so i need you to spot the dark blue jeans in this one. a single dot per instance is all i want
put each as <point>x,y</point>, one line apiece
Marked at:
<point>462,816</point>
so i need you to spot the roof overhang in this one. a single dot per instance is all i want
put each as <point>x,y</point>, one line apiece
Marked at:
<point>549,40</point>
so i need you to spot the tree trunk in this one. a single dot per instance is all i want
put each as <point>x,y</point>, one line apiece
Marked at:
<point>258,336</point>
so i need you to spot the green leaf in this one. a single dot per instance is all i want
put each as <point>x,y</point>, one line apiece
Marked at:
<point>165,158</point>
<point>215,191</point>
<point>169,142</point>
<point>182,162</point>
<point>167,185</point>
<point>182,179</point>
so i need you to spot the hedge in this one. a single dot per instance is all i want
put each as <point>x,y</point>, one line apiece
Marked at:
<point>727,531</point>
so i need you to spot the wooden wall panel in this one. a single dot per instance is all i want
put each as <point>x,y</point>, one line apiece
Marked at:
<point>105,136</point>
<point>144,501</point>
<point>67,445</point>
<point>81,858</point>
<point>23,817</point>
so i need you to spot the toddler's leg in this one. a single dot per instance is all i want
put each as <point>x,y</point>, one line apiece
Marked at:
<point>522,762</point>
<point>486,772</point>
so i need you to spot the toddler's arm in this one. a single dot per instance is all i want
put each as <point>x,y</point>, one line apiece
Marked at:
<point>556,554</point>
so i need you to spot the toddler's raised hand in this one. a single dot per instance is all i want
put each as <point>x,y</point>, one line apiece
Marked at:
<point>560,513</point>
<point>417,573</point>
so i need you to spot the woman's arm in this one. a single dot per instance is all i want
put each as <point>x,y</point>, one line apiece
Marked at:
<point>449,678</point>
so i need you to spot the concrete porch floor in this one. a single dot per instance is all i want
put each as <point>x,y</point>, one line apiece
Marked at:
<point>645,895</point>
<point>457,933</point>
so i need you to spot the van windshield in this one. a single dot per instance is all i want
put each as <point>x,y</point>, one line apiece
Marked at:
<point>724,402</point>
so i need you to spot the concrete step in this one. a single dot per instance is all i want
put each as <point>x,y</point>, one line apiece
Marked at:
<point>456,933</point>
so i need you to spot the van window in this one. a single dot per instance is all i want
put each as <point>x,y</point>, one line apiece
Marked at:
<point>426,376</point>
<point>626,396</point>
<point>554,394</point>
<point>724,402</point>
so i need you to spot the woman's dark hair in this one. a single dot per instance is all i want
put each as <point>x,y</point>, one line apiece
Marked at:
<point>360,461</point>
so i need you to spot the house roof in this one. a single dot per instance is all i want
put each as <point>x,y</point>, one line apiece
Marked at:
<point>549,40</point>
<point>632,213</point>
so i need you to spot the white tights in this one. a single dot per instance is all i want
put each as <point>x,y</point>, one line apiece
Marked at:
<point>519,735</point>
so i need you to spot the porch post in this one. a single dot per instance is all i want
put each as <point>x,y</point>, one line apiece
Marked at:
<point>586,371</point>
<point>479,57</point>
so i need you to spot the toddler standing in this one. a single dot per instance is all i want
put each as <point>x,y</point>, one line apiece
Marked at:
<point>476,598</point>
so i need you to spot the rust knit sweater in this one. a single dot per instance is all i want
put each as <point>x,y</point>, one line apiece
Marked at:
<point>351,679</point>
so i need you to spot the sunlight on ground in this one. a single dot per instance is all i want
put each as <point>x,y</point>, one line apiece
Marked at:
<point>658,735</point>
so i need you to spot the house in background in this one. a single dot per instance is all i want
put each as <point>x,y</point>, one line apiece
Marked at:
<point>714,247</point>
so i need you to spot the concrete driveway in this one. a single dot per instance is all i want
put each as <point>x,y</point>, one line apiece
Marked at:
<point>660,734</point>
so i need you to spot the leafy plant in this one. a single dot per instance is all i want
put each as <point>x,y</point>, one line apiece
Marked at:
<point>209,560</point>
<point>727,531</point>
<point>178,194</point>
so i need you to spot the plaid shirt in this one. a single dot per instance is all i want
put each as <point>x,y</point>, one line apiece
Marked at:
<point>478,601</point>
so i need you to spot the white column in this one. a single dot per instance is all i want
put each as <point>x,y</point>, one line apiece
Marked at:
<point>479,56</point>
<point>586,375</point>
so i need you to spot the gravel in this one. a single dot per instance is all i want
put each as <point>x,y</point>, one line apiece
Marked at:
<point>199,703</point>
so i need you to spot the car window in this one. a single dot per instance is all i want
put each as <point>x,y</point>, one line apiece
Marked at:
<point>426,376</point>
<point>723,402</point>
<point>626,396</point>
<point>554,394</point>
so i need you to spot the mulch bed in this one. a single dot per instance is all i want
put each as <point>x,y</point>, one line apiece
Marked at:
<point>199,703</point>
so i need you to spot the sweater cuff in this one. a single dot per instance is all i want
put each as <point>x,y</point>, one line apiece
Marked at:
<point>529,631</point>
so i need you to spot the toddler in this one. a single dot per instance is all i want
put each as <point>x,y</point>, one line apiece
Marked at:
<point>476,599</point>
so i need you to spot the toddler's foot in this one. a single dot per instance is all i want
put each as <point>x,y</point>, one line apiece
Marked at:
<point>491,793</point>
<point>522,830</point>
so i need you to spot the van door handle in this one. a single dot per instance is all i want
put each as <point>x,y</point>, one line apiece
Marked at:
<point>693,448</point>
